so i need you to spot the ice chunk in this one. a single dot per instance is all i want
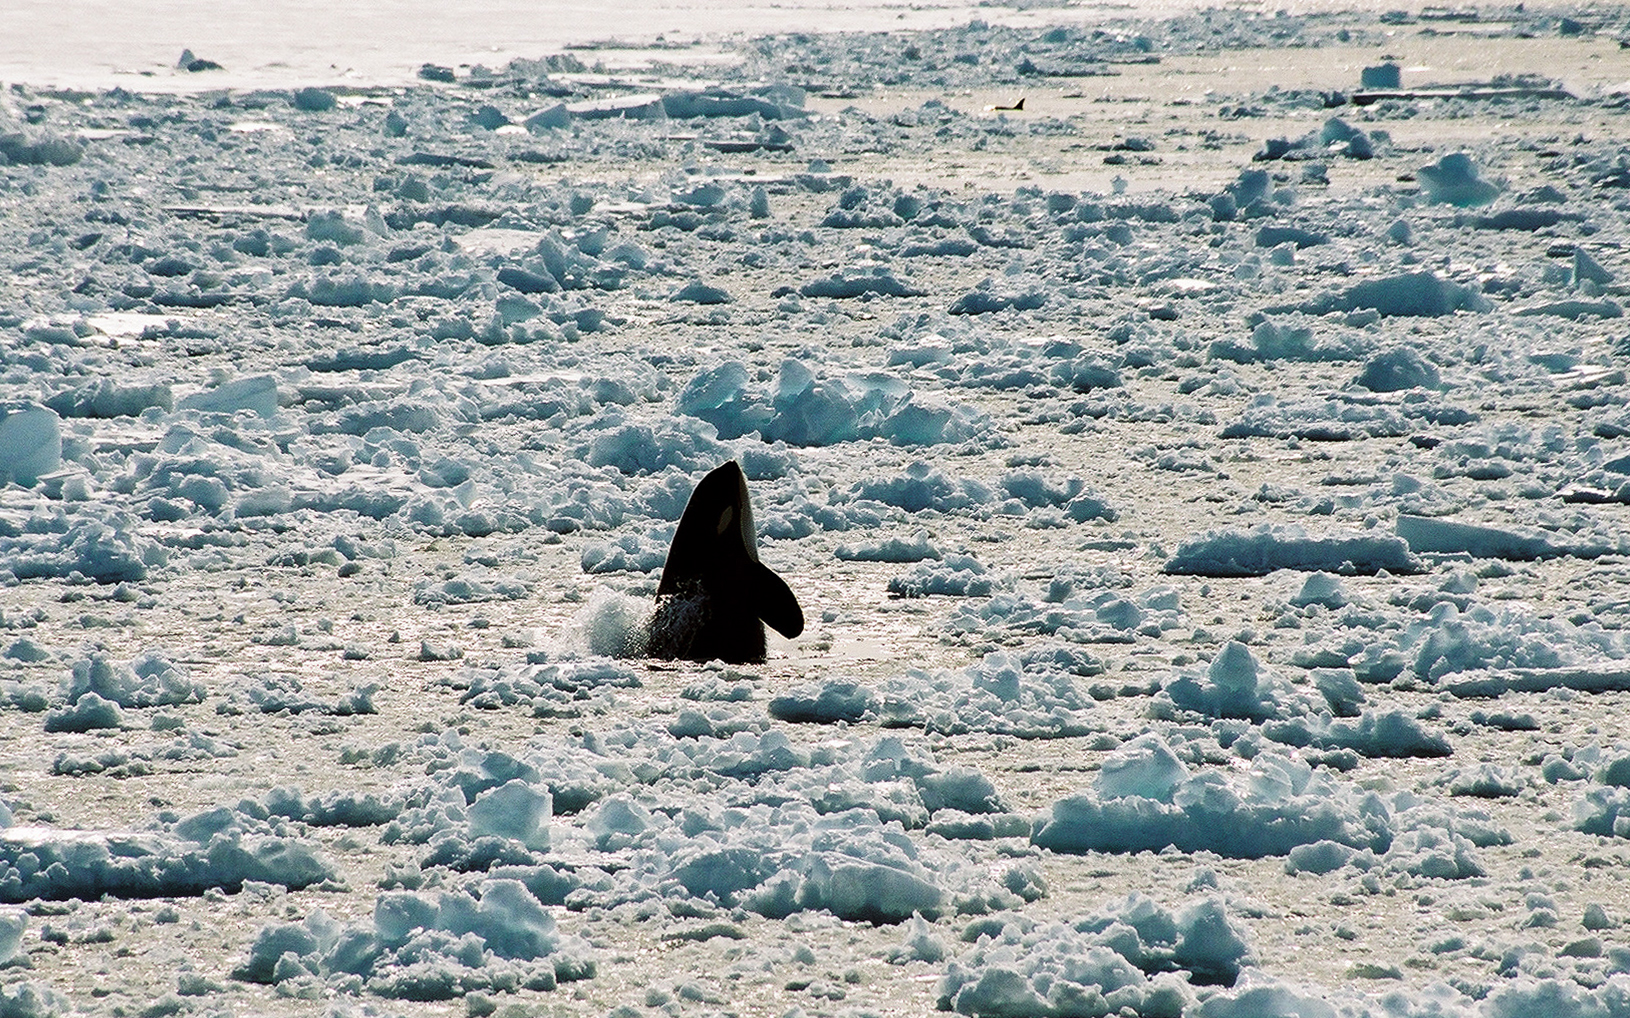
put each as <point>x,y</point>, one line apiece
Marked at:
<point>1576,310</point>
<point>1250,187</point>
<point>1318,858</point>
<point>921,486</point>
<point>1229,689</point>
<point>314,100</point>
<point>628,553</point>
<point>511,921</point>
<point>106,397</point>
<point>272,693</point>
<point>494,936</point>
<point>515,810</point>
<point>40,149</point>
<point>1325,420</point>
<point>869,891</point>
<point>1282,805</point>
<point>698,292</point>
<point>1418,294</point>
<point>642,106</point>
<point>955,576</point>
<point>915,548</point>
<point>1340,689</point>
<point>1261,997</point>
<point>1260,551</point>
<point>1401,367</point>
<point>720,102</point>
<point>1385,75</point>
<point>1145,767</point>
<point>617,822</point>
<point>550,118</point>
<point>712,389</point>
<point>648,448</point>
<point>1234,670</point>
<point>30,442</point>
<point>808,409</point>
<point>1453,180</point>
<point>835,700</point>
<point>1588,269</point>
<point>985,300</point>
<point>103,552</point>
<point>1430,534</point>
<point>1487,781</point>
<point>257,393</point>
<point>1320,589</point>
<point>89,712</point>
<point>1032,695</point>
<point>1208,945</point>
<point>38,862</point>
<point>150,680</point>
<point>858,282</point>
<point>1342,138</point>
<point>1116,961</point>
<point>921,943</point>
<point>12,923</point>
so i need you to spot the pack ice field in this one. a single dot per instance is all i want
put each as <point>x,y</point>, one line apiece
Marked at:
<point>1196,449</point>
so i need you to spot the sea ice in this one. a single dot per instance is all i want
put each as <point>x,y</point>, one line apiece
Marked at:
<point>295,370</point>
<point>1454,180</point>
<point>1266,548</point>
<point>30,442</point>
<point>219,849</point>
<point>422,946</point>
<point>1119,960</point>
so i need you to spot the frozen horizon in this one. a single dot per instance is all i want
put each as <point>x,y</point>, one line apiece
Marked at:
<point>97,44</point>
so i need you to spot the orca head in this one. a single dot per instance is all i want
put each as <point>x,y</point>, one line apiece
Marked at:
<point>715,554</point>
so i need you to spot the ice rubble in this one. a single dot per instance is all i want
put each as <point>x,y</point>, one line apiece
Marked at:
<point>807,410</point>
<point>220,848</point>
<point>1029,695</point>
<point>1235,685</point>
<point>151,680</point>
<point>787,831</point>
<point>1133,956</point>
<point>107,550</point>
<point>494,935</point>
<point>915,548</point>
<point>1147,799</point>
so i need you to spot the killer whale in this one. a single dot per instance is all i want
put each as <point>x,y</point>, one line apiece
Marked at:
<point>715,596</point>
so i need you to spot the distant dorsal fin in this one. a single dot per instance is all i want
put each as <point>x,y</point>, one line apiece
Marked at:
<point>774,601</point>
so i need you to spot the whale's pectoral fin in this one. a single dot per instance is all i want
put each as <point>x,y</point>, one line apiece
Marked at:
<point>774,601</point>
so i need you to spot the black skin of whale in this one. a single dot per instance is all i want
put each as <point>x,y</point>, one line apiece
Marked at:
<point>716,596</point>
